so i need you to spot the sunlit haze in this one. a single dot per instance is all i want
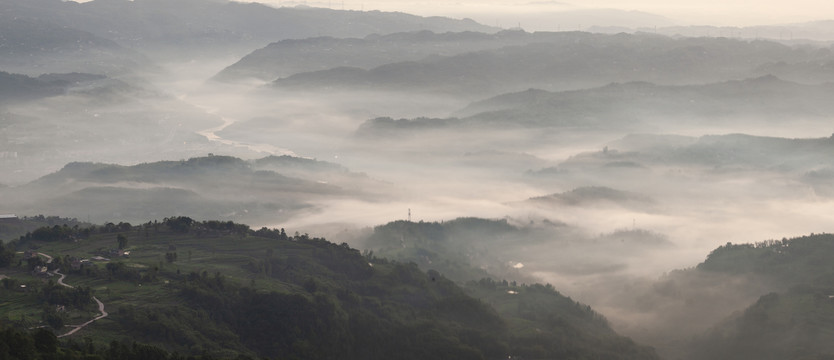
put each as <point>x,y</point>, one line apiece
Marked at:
<point>473,179</point>
<point>513,13</point>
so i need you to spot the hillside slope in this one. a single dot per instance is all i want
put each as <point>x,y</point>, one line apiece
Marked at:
<point>797,323</point>
<point>222,289</point>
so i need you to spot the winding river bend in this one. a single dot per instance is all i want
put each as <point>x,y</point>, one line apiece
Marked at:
<point>211,135</point>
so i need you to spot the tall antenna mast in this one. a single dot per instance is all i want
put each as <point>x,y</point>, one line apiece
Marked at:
<point>409,215</point>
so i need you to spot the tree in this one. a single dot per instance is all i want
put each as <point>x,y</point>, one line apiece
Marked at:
<point>53,317</point>
<point>6,255</point>
<point>179,224</point>
<point>45,341</point>
<point>122,241</point>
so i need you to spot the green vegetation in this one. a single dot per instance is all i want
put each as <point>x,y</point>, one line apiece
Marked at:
<point>804,260</point>
<point>13,228</point>
<point>457,249</point>
<point>545,324</point>
<point>797,323</point>
<point>6,255</point>
<point>217,289</point>
<point>43,344</point>
<point>792,325</point>
<point>542,323</point>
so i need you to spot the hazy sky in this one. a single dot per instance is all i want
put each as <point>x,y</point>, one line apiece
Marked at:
<point>530,13</point>
<point>702,12</point>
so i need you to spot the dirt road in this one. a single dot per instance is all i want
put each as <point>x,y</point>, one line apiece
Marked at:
<point>81,326</point>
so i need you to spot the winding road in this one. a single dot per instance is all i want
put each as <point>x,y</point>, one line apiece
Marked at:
<point>48,258</point>
<point>100,304</point>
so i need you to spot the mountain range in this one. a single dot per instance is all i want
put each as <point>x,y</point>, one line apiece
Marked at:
<point>181,29</point>
<point>633,105</point>
<point>277,188</point>
<point>573,60</point>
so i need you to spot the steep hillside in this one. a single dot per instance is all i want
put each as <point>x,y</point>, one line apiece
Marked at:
<point>797,323</point>
<point>468,249</point>
<point>222,289</point>
<point>765,300</point>
<point>807,260</point>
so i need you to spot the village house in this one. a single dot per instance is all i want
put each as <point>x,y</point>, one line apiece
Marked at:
<point>41,271</point>
<point>115,252</point>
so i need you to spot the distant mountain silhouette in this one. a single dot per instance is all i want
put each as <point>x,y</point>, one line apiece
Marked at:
<point>34,46</point>
<point>629,105</point>
<point>17,87</point>
<point>205,186</point>
<point>182,28</point>
<point>571,60</point>
<point>288,57</point>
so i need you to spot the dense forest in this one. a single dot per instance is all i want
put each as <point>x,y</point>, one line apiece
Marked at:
<point>188,289</point>
<point>217,289</point>
<point>794,323</point>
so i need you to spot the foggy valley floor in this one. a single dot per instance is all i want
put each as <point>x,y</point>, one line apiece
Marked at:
<point>611,166</point>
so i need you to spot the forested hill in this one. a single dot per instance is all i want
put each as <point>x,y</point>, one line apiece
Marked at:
<point>807,260</point>
<point>17,87</point>
<point>797,323</point>
<point>215,289</point>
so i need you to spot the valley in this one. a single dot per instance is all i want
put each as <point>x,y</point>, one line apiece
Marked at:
<point>454,189</point>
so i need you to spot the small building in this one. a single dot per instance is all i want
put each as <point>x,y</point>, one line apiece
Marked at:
<point>75,264</point>
<point>40,271</point>
<point>9,219</point>
<point>28,254</point>
<point>116,253</point>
